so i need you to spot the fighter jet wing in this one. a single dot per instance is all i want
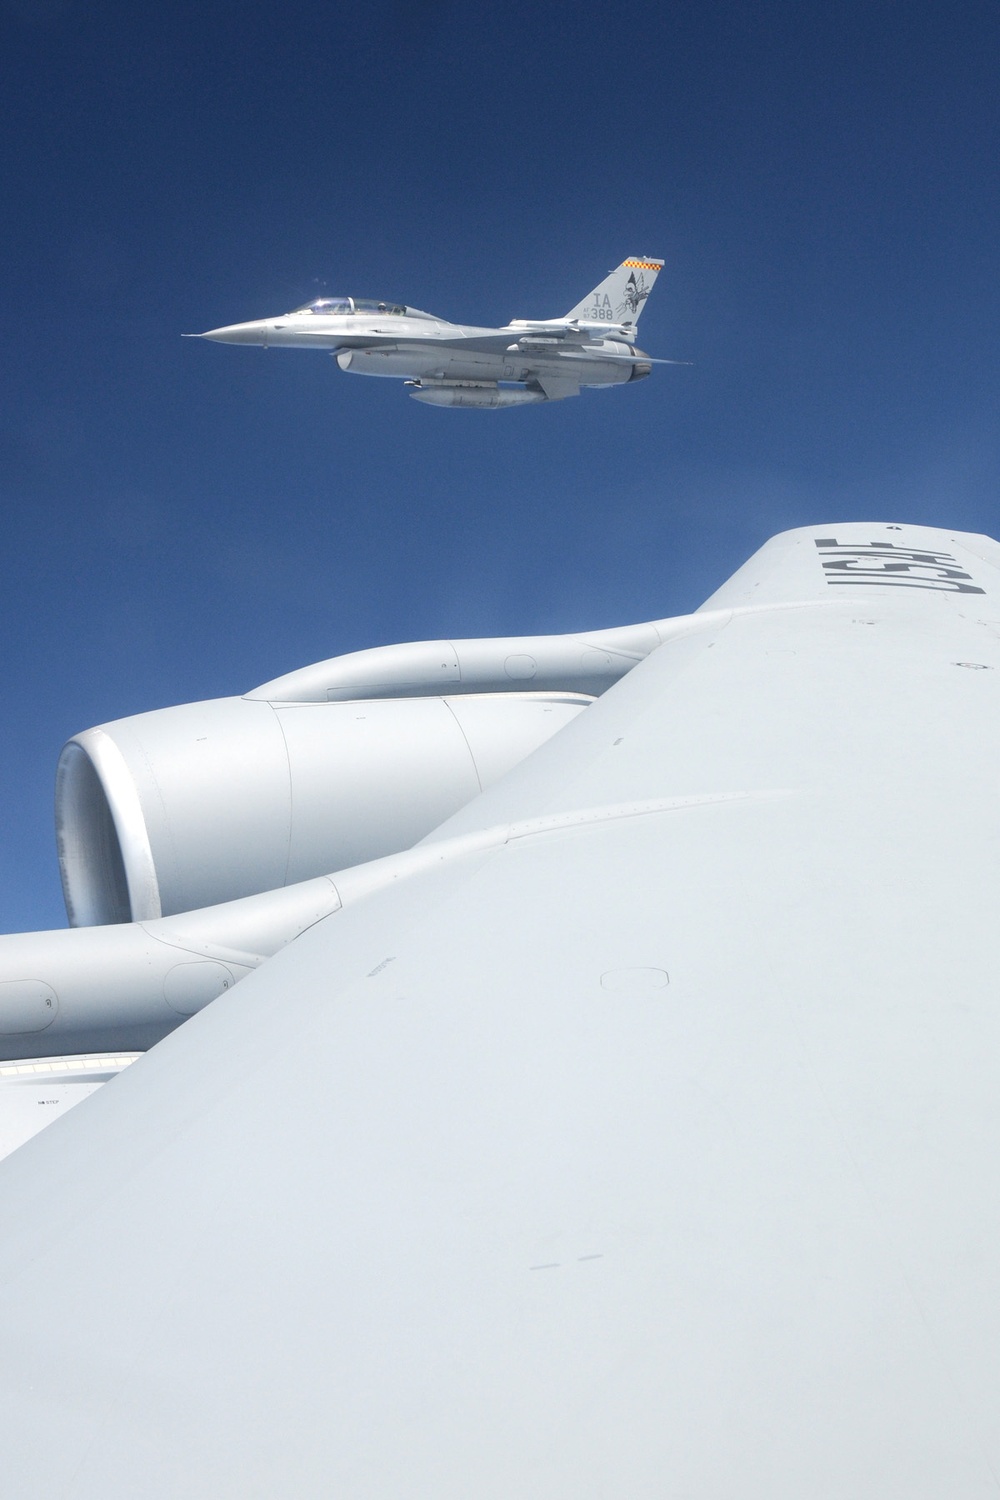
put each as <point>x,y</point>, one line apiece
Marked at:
<point>497,344</point>
<point>473,342</point>
<point>643,1144</point>
<point>486,343</point>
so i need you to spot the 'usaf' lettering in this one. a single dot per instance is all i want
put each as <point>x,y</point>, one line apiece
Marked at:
<point>884,564</point>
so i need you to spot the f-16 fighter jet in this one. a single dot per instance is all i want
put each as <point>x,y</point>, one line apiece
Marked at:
<point>451,364</point>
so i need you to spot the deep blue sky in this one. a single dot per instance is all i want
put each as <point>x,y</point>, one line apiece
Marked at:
<point>185,520</point>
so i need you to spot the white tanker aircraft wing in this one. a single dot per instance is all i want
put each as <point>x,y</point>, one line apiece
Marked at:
<point>642,1143</point>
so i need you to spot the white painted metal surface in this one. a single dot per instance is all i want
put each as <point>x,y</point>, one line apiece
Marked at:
<point>649,1152</point>
<point>459,365</point>
<point>203,803</point>
<point>35,1091</point>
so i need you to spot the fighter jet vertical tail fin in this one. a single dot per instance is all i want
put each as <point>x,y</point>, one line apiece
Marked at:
<point>621,296</point>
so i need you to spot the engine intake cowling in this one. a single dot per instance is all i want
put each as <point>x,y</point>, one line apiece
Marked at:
<point>186,807</point>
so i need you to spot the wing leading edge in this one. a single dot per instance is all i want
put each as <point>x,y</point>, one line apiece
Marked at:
<point>646,1147</point>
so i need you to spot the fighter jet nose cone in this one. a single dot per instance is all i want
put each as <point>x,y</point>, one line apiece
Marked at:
<point>235,333</point>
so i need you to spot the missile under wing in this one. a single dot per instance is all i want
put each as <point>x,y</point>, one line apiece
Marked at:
<point>642,1141</point>
<point>457,365</point>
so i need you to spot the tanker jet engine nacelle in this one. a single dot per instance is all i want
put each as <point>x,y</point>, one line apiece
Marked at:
<point>189,806</point>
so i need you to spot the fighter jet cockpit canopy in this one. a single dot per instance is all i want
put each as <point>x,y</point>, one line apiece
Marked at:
<point>339,307</point>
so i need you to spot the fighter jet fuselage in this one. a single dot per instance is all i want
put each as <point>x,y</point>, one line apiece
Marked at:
<point>451,364</point>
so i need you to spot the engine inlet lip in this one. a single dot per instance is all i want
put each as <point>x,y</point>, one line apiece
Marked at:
<point>89,899</point>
